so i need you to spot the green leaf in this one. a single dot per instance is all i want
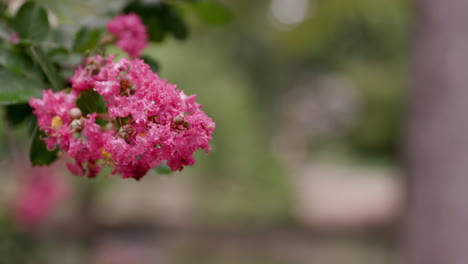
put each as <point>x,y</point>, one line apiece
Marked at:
<point>19,63</point>
<point>17,89</point>
<point>90,102</point>
<point>18,113</point>
<point>48,68</point>
<point>86,39</point>
<point>38,153</point>
<point>163,169</point>
<point>63,35</point>
<point>31,22</point>
<point>212,12</point>
<point>176,24</point>
<point>152,63</point>
<point>58,54</point>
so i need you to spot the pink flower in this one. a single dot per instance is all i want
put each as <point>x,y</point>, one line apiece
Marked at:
<point>84,78</point>
<point>39,193</point>
<point>86,150</point>
<point>14,38</point>
<point>148,120</point>
<point>130,33</point>
<point>162,123</point>
<point>52,113</point>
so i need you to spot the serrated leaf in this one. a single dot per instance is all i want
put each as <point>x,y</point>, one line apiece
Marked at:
<point>48,68</point>
<point>31,22</point>
<point>90,102</point>
<point>86,39</point>
<point>152,63</point>
<point>212,12</point>
<point>17,89</point>
<point>39,155</point>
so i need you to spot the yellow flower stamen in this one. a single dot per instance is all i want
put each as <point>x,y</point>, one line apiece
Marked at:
<point>106,154</point>
<point>56,122</point>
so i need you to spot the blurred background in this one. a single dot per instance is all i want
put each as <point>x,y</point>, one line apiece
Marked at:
<point>307,96</point>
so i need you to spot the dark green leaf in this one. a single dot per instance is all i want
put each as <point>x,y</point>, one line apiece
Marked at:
<point>31,22</point>
<point>17,114</point>
<point>152,63</point>
<point>3,10</point>
<point>86,39</point>
<point>38,153</point>
<point>160,18</point>
<point>176,25</point>
<point>151,18</point>
<point>163,169</point>
<point>48,68</point>
<point>17,89</point>
<point>90,102</point>
<point>212,12</point>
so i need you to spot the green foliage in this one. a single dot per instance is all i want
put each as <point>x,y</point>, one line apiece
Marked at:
<point>161,19</point>
<point>31,22</point>
<point>87,39</point>
<point>212,12</point>
<point>90,102</point>
<point>18,113</point>
<point>39,155</point>
<point>375,134</point>
<point>17,89</point>
<point>16,61</point>
<point>343,29</point>
<point>58,54</point>
<point>48,68</point>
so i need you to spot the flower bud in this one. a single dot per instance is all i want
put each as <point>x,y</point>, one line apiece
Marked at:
<point>107,39</point>
<point>75,113</point>
<point>77,125</point>
<point>178,120</point>
<point>109,126</point>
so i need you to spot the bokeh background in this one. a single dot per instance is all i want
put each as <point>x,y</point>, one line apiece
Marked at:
<point>308,98</point>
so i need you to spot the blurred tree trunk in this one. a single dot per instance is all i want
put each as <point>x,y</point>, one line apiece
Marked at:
<point>436,142</point>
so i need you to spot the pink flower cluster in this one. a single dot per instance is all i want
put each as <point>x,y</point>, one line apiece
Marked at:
<point>148,120</point>
<point>130,33</point>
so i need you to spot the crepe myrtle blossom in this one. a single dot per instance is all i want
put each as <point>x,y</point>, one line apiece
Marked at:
<point>130,33</point>
<point>147,120</point>
<point>85,76</point>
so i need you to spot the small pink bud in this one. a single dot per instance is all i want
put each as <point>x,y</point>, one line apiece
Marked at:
<point>14,38</point>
